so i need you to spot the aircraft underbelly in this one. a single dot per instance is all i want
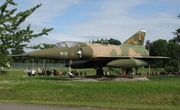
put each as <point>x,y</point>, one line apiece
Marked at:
<point>80,64</point>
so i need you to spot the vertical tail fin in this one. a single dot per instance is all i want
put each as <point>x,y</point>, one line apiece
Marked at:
<point>137,38</point>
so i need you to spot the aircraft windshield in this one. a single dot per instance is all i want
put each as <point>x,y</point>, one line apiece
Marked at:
<point>67,44</point>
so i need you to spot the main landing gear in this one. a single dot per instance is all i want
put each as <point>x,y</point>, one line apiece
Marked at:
<point>69,72</point>
<point>129,71</point>
<point>99,69</point>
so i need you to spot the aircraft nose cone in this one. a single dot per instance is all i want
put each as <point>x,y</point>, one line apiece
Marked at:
<point>35,54</point>
<point>25,55</point>
<point>46,53</point>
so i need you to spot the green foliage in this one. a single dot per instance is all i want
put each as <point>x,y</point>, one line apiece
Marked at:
<point>174,49</point>
<point>163,48</point>
<point>106,41</point>
<point>114,41</point>
<point>159,48</point>
<point>13,38</point>
<point>177,33</point>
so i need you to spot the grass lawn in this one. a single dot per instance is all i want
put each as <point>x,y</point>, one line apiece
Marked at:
<point>157,93</point>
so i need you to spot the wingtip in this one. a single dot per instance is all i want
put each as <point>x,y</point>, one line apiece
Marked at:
<point>20,55</point>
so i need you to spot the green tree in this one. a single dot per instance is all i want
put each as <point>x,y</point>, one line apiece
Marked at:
<point>177,33</point>
<point>12,37</point>
<point>148,45</point>
<point>114,41</point>
<point>159,48</point>
<point>106,41</point>
<point>174,53</point>
<point>172,66</point>
<point>173,49</point>
<point>17,51</point>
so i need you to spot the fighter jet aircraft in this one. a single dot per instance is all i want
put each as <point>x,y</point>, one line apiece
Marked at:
<point>130,54</point>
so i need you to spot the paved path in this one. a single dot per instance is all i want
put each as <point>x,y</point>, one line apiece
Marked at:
<point>17,106</point>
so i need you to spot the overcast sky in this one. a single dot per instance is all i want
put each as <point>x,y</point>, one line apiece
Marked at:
<point>83,20</point>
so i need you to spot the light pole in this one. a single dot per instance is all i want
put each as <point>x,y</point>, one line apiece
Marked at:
<point>148,43</point>
<point>179,64</point>
<point>32,63</point>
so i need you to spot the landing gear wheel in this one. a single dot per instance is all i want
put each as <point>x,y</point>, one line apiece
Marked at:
<point>99,71</point>
<point>129,71</point>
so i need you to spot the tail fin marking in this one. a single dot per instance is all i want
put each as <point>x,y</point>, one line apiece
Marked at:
<point>137,38</point>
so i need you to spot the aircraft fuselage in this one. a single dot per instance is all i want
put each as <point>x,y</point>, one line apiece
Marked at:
<point>90,51</point>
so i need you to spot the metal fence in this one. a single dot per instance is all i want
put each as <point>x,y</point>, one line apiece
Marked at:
<point>37,65</point>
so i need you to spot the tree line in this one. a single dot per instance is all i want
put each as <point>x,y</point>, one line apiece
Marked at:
<point>14,39</point>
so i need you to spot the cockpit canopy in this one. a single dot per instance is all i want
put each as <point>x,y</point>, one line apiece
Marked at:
<point>69,44</point>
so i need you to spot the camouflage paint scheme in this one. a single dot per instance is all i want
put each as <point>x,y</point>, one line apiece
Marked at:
<point>130,54</point>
